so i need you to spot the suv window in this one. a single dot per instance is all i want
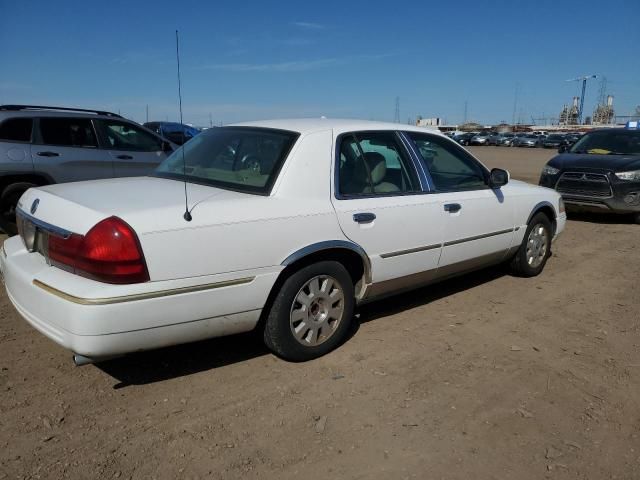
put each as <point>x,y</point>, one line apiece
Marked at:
<point>374,163</point>
<point>68,132</point>
<point>451,168</point>
<point>16,129</point>
<point>119,135</point>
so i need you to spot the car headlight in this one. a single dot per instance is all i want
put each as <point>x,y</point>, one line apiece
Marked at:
<point>633,175</point>
<point>547,170</point>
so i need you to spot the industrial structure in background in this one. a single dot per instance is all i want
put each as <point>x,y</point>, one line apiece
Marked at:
<point>570,114</point>
<point>429,122</point>
<point>604,113</point>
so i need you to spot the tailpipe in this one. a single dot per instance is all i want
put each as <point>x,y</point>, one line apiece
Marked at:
<point>80,360</point>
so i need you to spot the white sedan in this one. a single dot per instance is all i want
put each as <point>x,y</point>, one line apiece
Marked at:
<point>280,225</point>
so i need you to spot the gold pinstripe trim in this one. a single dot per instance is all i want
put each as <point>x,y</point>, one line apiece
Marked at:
<point>139,296</point>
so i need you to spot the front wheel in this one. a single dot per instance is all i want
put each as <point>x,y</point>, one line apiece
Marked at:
<point>311,314</point>
<point>535,249</point>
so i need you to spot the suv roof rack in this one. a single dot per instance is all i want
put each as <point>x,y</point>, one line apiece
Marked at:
<point>42,107</point>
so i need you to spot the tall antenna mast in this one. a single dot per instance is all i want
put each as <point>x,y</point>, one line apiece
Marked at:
<point>187,214</point>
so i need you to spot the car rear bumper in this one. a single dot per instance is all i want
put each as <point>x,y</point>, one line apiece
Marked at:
<point>97,320</point>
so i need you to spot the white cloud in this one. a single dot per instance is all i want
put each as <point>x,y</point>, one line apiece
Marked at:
<point>292,66</point>
<point>309,25</point>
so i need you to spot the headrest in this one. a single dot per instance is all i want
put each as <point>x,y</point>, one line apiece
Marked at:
<point>376,164</point>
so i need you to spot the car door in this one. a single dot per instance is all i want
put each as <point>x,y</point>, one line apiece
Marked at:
<point>382,204</point>
<point>66,149</point>
<point>477,221</point>
<point>134,150</point>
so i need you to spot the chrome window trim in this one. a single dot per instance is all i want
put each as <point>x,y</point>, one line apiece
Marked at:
<point>47,227</point>
<point>410,145</point>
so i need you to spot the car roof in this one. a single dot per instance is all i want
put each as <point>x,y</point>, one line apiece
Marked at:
<point>56,114</point>
<point>310,125</point>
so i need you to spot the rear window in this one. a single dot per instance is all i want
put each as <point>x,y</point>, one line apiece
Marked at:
<point>16,129</point>
<point>68,132</point>
<point>237,158</point>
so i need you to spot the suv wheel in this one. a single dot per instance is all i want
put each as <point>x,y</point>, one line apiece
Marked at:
<point>8,202</point>
<point>535,249</point>
<point>311,314</point>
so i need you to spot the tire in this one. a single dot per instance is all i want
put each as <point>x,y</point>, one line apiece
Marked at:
<point>8,202</point>
<point>535,249</point>
<point>321,313</point>
<point>636,218</point>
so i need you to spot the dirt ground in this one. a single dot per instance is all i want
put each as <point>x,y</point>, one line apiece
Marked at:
<point>486,376</point>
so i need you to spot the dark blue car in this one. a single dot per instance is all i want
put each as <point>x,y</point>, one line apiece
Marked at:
<point>177,133</point>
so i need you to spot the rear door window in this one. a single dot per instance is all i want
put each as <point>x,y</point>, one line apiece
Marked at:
<point>16,129</point>
<point>375,163</point>
<point>68,132</point>
<point>119,135</point>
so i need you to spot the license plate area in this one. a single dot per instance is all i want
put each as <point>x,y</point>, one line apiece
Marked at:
<point>35,234</point>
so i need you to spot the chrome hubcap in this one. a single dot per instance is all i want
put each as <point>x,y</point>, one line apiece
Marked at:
<point>317,310</point>
<point>537,245</point>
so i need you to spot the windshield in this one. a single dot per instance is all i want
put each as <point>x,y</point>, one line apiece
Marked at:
<point>237,158</point>
<point>612,142</point>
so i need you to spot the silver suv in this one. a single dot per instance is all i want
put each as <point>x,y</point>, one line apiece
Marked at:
<point>44,145</point>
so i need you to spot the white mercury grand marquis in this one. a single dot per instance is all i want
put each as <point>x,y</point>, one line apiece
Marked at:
<point>290,224</point>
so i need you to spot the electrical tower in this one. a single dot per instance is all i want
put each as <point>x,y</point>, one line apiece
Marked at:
<point>396,118</point>
<point>584,87</point>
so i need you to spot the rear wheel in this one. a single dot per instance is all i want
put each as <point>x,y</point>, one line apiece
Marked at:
<point>535,249</point>
<point>636,218</point>
<point>311,314</point>
<point>8,203</point>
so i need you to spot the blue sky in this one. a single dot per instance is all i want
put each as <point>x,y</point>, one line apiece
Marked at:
<point>245,60</point>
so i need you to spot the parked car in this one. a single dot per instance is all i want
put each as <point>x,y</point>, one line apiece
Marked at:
<point>553,141</point>
<point>464,138</point>
<point>505,139</point>
<point>45,145</point>
<point>177,133</point>
<point>526,140</point>
<point>480,139</point>
<point>290,224</point>
<point>600,172</point>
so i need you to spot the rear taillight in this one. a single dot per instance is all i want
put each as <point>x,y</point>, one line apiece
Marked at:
<point>110,252</point>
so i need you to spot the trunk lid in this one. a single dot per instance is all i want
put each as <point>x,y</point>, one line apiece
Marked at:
<point>148,204</point>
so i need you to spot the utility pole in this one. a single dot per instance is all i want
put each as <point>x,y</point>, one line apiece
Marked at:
<point>147,110</point>
<point>515,104</point>
<point>465,112</point>
<point>210,120</point>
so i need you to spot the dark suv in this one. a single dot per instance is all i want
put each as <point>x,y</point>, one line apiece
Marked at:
<point>44,145</point>
<point>601,171</point>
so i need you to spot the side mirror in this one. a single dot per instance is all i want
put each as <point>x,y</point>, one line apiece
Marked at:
<point>166,147</point>
<point>498,178</point>
<point>562,148</point>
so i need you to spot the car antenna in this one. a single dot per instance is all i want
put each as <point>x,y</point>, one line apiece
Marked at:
<point>187,214</point>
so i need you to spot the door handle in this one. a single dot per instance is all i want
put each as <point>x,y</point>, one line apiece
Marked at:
<point>452,207</point>
<point>364,217</point>
<point>125,157</point>
<point>48,154</point>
